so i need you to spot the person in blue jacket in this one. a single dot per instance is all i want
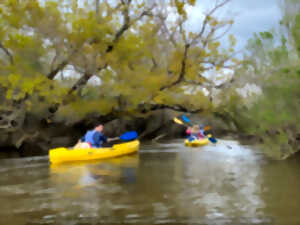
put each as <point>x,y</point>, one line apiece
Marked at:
<point>95,137</point>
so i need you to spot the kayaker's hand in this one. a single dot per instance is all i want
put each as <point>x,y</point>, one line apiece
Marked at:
<point>112,139</point>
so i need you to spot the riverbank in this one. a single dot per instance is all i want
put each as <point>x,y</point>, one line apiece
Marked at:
<point>40,138</point>
<point>157,126</point>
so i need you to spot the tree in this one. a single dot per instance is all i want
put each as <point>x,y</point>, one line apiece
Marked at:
<point>142,59</point>
<point>271,66</point>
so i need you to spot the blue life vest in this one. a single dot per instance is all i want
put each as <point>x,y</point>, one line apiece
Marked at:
<point>192,138</point>
<point>89,137</point>
<point>202,132</point>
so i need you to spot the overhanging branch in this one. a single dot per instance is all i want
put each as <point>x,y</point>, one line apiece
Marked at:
<point>53,73</point>
<point>182,70</point>
<point>178,108</point>
<point>6,51</point>
<point>62,65</point>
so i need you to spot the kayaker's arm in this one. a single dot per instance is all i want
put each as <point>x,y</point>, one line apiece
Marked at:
<point>99,139</point>
<point>113,139</point>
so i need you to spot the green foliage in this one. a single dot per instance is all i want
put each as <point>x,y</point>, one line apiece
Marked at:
<point>20,88</point>
<point>136,59</point>
<point>296,33</point>
<point>273,67</point>
<point>266,35</point>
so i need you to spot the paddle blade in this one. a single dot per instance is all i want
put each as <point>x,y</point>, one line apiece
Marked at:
<point>178,121</point>
<point>185,119</point>
<point>212,140</point>
<point>207,128</point>
<point>128,136</point>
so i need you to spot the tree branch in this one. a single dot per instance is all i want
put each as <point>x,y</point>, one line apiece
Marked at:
<point>222,34</point>
<point>182,71</point>
<point>222,62</point>
<point>62,65</point>
<point>126,25</point>
<point>178,108</point>
<point>182,31</point>
<point>53,73</point>
<point>81,82</point>
<point>154,64</point>
<point>10,56</point>
<point>206,20</point>
<point>162,19</point>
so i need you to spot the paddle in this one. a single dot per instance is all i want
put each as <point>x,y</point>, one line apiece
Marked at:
<point>187,120</point>
<point>178,121</point>
<point>212,139</point>
<point>129,135</point>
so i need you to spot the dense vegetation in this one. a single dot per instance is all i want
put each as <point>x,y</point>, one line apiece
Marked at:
<point>272,68</point>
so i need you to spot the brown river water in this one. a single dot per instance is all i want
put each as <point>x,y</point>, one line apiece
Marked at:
<point>164,183</point>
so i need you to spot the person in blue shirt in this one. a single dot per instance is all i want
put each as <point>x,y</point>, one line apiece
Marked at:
<point>93,138</point>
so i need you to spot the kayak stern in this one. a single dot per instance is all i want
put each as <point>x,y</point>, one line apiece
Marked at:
<point>196,143</point>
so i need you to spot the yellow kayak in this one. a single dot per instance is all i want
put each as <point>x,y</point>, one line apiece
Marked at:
<point>59,155</point>
<point>196,142</point>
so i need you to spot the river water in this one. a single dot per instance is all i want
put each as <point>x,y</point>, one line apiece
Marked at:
<point>163,184</point>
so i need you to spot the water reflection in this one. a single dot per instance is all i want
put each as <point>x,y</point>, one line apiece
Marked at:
<point>87,190</point>
<point>82,174</point>
<point>222,183</point>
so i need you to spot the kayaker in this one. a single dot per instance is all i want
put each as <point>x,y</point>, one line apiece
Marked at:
<point>194,132</point>
<point>201,132</point>
<point>188,131</point>
<point>94,138</point>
